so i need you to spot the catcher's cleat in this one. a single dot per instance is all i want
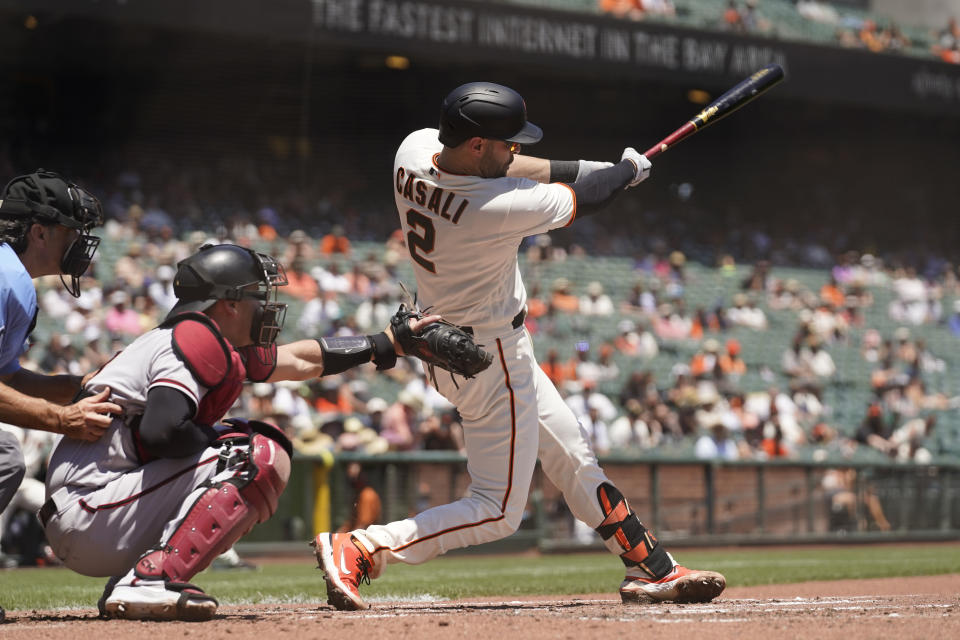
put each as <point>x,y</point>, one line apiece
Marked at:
<point>681,585</point>
<point>345,565</point>
<point>107,590</point>
<point>159,600</point>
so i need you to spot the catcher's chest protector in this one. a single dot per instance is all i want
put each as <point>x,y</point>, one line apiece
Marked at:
<point>208,356</point>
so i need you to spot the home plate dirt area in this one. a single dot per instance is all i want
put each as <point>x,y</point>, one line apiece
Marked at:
<point>918,607</point>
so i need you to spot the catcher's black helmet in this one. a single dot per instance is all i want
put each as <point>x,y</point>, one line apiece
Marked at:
<point>487,110</point>
<point>44,197</point>
<point>231,272</point>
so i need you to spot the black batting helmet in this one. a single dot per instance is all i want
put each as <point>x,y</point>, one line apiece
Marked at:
<point>231,272</point>
<point>44,197</point>
<point>486,110</point>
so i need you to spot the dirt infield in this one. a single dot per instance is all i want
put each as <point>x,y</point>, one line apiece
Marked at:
<point>920,607</point>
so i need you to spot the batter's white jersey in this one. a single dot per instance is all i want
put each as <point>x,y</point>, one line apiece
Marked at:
<point>464,232</point>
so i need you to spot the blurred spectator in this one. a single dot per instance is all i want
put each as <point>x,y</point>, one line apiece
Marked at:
<point>785,295</point>
<point>873,432</point>
<point>366,507</point>
<point>596,302</point>
<point>953,322</point>
<point>559,372</point>
<point>331,280</point>
<point>299,247</point>
<point>910,306</point>
<point>161,289</point>
<point>121,319</point>
<point>607,369</point>
<point>373,313</point>
<point>840,488</point>
<point>320,315</point>
<point>441,431</point>
<point>758,278</point>
<point>670,323</point>
<point>585,398</point>
<point>375,409</point>
<point>908,442</point>
<point>639,301</point>
<point>772,445</point>
<point>635,343</point>
<point>745,313</point>
<point>359,285</point>
<point>731,363</point>
<point>819,361</point>
<point>871,38</point>
<point>335,242</point>
<point>831,294</point>
<point>716,444</point>
<point>561,299</point>
<point>631,431</point>
<point>595,425</point>
<point>818,11</point>
<point>129,269</point>
<point>401,421</point>
<point>732,19</point>
<point>706,362</point>
<point>300,284</point>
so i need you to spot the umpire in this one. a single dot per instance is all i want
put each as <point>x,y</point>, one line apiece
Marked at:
<point>45,224</point>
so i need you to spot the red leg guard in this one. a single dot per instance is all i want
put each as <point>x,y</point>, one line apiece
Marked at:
<point>222,514</point>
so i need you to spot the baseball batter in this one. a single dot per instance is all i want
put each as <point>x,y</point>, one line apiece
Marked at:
<point>466,201</point>
<point>168,489</point>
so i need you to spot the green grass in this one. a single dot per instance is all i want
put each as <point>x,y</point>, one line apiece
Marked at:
<point>478,576</point>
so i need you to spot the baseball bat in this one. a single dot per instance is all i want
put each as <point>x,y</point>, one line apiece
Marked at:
<point>745,91</point>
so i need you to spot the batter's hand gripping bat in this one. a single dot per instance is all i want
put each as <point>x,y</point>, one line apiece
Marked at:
<point>746,91</point>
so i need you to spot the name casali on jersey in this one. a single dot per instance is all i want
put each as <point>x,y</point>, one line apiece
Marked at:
<point>415,190</point>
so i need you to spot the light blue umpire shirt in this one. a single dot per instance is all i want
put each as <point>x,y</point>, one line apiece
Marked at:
<point>18,309</point>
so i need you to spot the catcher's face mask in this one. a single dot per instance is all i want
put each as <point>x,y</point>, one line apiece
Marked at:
<point>270,315</point>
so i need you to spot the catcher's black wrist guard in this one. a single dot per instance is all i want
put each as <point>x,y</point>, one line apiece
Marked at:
<point>345,352</point>
<point>439,344</point>
<point>384,355</point>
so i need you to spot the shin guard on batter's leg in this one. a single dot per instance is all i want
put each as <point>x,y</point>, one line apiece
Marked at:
<point>651,573</point>
<point>221,514</point>
<point>625,535</point>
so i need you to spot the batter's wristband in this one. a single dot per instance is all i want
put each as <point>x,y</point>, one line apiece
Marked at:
<point>384,355</point>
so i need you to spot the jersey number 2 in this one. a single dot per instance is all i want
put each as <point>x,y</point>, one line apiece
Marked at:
<point>421,243</point>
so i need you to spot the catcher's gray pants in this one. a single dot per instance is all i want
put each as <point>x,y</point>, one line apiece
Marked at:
<point>11,468</point>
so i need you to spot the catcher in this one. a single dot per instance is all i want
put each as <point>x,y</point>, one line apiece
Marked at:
<point>168,488</point>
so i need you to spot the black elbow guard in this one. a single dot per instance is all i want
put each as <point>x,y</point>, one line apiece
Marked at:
<point>345,352</point>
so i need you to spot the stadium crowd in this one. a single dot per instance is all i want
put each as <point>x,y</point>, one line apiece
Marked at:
<point>793,18</point>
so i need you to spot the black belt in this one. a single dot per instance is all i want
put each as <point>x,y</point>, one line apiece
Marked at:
<point>47,511</point>
<point>516,323</point>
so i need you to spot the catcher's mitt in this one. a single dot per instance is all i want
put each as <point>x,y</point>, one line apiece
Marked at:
<point>439,344</point>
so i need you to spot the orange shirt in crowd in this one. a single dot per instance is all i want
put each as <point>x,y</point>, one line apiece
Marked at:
<point>301,285</point>
<point>366,511</point>
<point>558,372</point>
<point>331,244</point>
<point>832,295</point>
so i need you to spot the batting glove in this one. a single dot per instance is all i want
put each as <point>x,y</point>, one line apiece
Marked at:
<point>640,164</point>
